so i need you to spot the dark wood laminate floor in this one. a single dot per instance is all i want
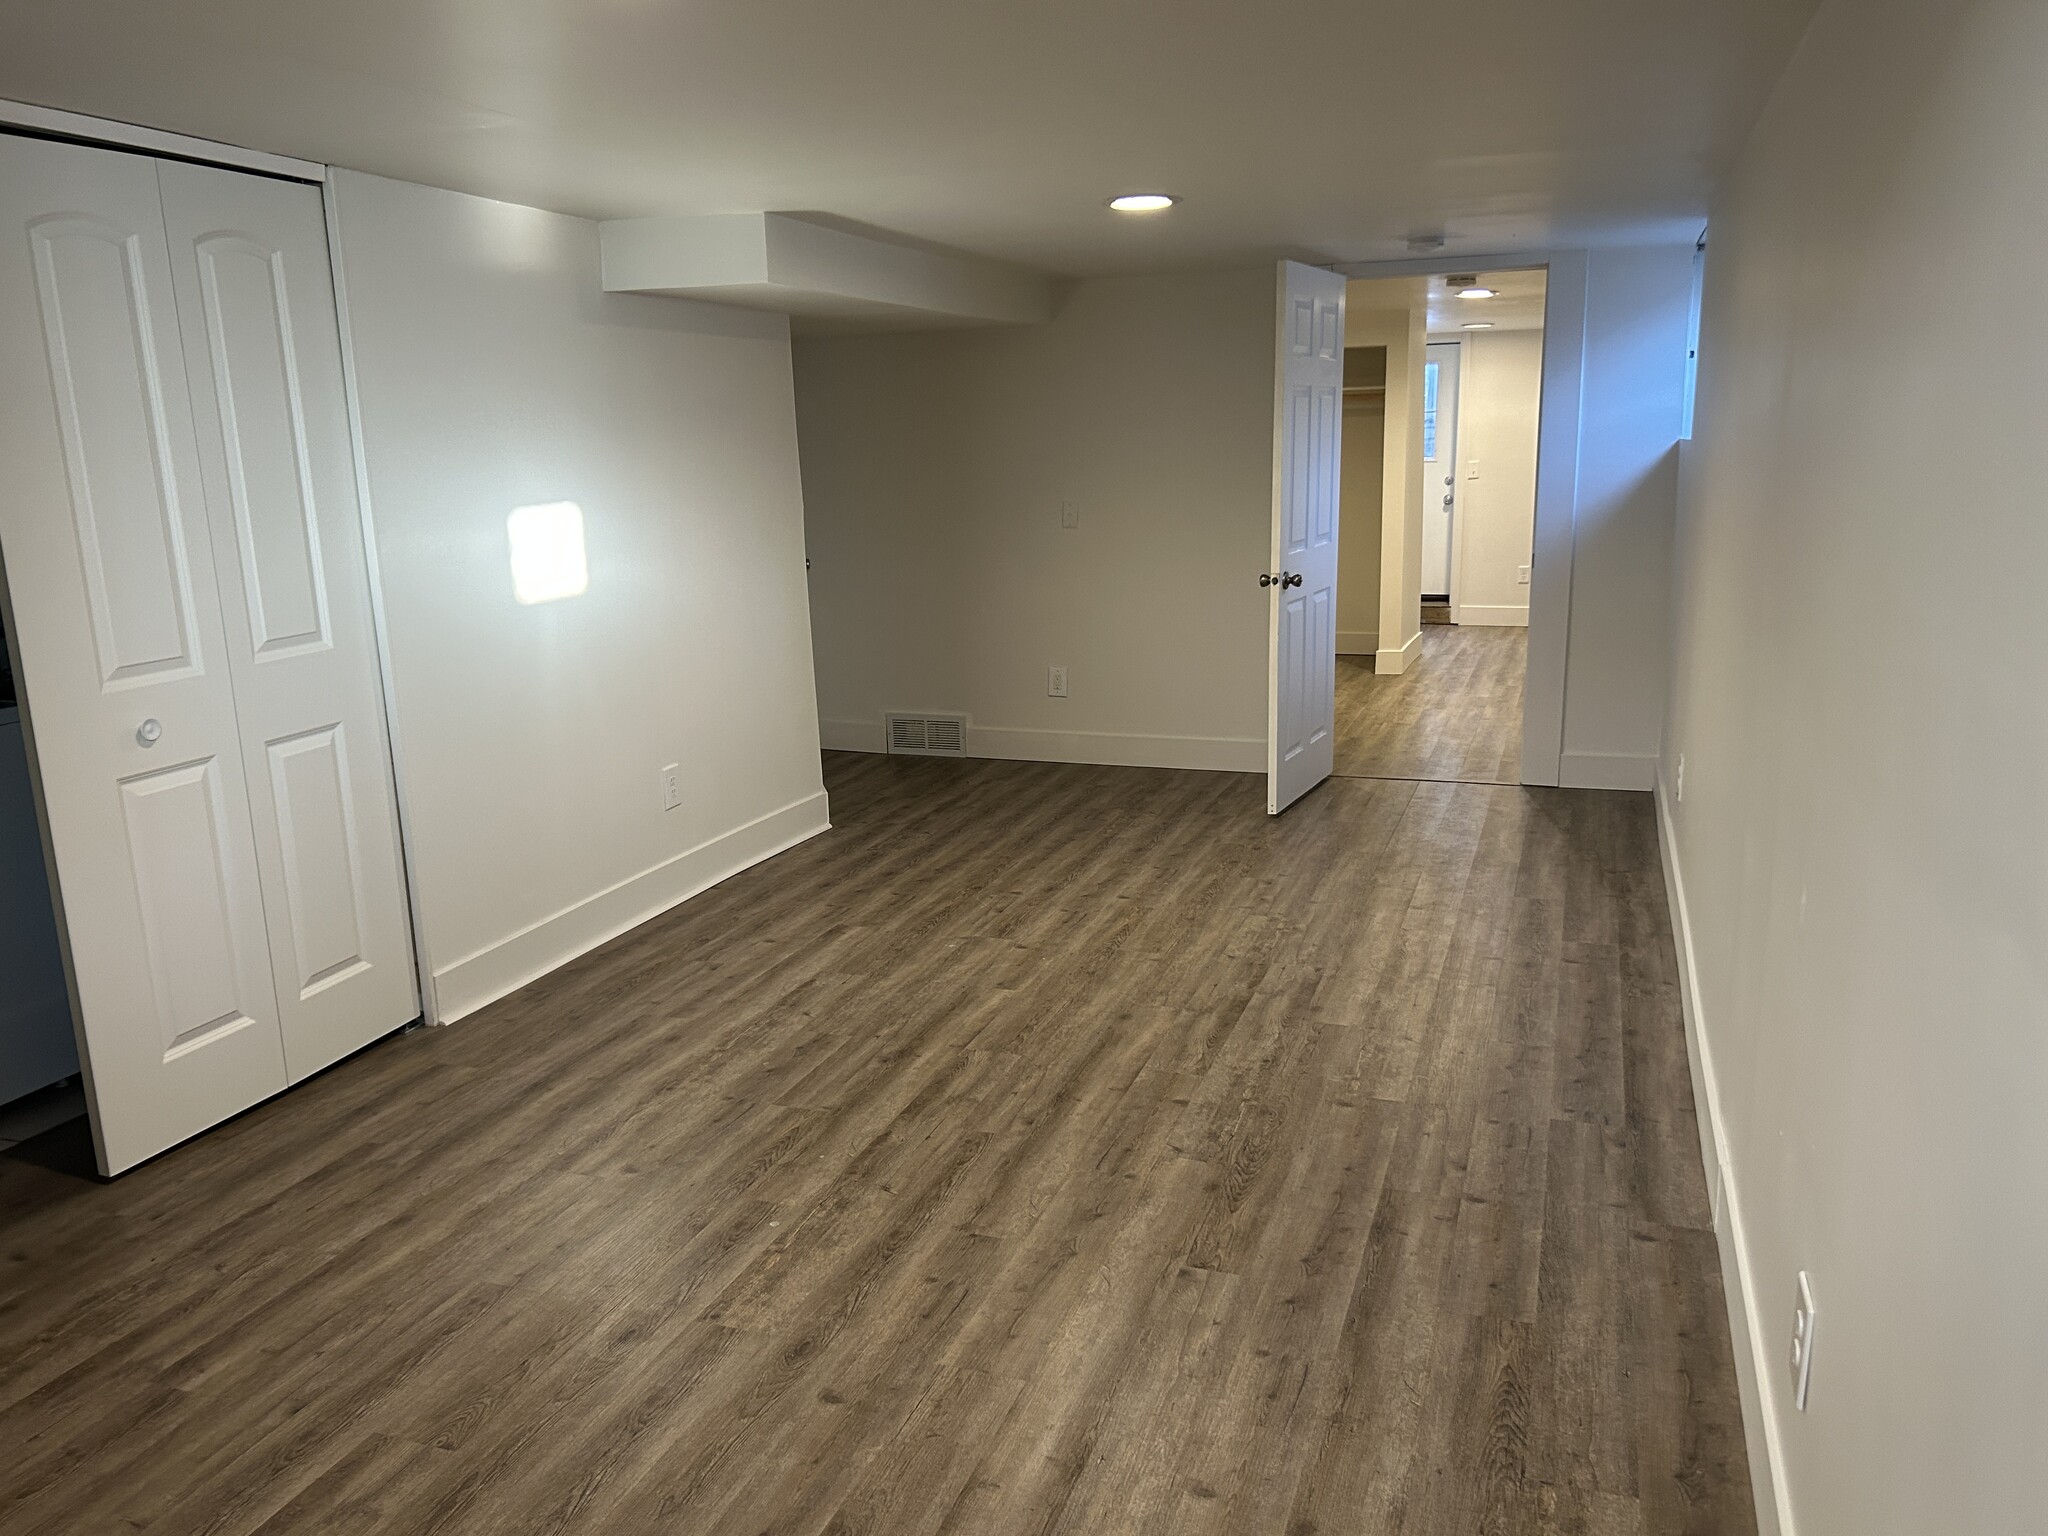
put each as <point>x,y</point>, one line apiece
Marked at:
<point>1455,715</point>
<point>1045,1149</point>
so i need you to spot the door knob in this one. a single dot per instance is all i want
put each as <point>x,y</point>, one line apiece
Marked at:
<point>1267,579</point>
<point>1290,579</point>
<point>149,733</point>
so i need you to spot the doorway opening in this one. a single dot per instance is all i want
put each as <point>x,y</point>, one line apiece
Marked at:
<point>1442,400</point>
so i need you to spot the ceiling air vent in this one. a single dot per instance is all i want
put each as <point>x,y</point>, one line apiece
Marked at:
<point>928,735</point>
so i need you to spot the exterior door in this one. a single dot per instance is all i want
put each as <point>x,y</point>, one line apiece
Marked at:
<point>125,672</point>
<point>1307,429</point>
<point>262,353</point>
<point>1439,465</point>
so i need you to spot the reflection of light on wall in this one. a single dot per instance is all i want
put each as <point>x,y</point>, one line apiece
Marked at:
<point>547,552</point>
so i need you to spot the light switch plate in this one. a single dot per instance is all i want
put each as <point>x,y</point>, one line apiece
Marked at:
<point>1070,514</point>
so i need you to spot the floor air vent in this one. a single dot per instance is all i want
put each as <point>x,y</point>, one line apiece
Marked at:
<point>928,735</point>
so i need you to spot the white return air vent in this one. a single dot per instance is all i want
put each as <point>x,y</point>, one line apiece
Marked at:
<point>927,735</point>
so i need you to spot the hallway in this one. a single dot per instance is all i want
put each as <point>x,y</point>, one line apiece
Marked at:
<point>1043,1149</point>
<point>1456,715</point>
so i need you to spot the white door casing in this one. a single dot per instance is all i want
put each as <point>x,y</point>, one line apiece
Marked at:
<point>1440,472</point>
<point>117,619</point>
<point>263,357</point>
<point>1307,438</point>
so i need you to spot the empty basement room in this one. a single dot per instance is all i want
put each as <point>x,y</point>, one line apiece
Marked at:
<point>945,771</point>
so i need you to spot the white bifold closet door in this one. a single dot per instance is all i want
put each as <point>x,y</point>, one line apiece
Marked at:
<point>184,557</point>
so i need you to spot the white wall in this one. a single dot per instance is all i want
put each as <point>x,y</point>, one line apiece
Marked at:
<point>1638,310</point>
<point>1500,385</point>
<point>935,467</point>
<point>1858,699</point>
<point>1367,323</point>
<point>1361,495</point>
<point>493,373</point>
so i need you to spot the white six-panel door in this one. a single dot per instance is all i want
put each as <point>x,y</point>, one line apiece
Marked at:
<point>117,620</point>
<point>1307,433</point>
<point>263,356</point>
<point>190,604</point>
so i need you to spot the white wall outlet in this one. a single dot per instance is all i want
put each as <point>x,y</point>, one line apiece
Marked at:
<point>1056,682</point>
<point>671,787</point>
<point>1522,575</point>
<point>1678,780</point>
<point>1070,514</point>
<point>1802,1341</point>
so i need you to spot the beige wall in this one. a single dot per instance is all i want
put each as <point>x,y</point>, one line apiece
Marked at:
<point>1362,489</point>
<point>1500,380</point>
<point>935,467</point>
<point>1400,331</point>
<point>1858,702</point>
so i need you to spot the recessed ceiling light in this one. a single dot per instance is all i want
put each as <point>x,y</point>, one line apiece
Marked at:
<point>1477,291</point>
<point>1142,202</point>
<point>1478,325</point>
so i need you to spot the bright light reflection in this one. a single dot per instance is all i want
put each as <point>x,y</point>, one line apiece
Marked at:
<point>547,552</point>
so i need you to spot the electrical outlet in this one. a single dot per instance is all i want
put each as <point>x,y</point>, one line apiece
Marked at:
<point>1678,780</point>
<point>671,787</point>
<point>1070,514</point>
<point>1802,1341</point>
<point>1056,682</point>
<point>1522,575</point>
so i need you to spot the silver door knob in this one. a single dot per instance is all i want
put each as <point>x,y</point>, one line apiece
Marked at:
<point>149,733</point>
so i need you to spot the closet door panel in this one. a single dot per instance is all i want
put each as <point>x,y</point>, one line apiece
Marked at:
<point>263,350</point>
<point>124,657</point>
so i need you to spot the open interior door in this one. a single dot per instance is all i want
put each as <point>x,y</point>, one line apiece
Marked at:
<point>1307,428</point>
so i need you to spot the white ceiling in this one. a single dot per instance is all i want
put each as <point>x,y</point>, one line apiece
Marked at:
<point>1325,129</point>
<point>1517,304</point>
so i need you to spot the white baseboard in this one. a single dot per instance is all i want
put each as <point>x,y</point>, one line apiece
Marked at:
<point>1222,754</point>
<point>506,966</point>
<point>1606,770</point>
<point>852,736</point>
<point>1753,1356</point>
<point>1357,642</point>
<point>1389,662</point>
<point>1506,615</point>
<point>1226,754</point>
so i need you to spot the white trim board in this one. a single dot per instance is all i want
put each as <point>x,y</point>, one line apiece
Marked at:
<point>1108,749</point>
<point>504,967</point>
<point>1224,754</point>
<point>1753,1359</point>
<point>1392,662</point>
<point>105,130</point>
<point>380,630</point>
<point>1497,615</point>
<point>1606,770</point>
